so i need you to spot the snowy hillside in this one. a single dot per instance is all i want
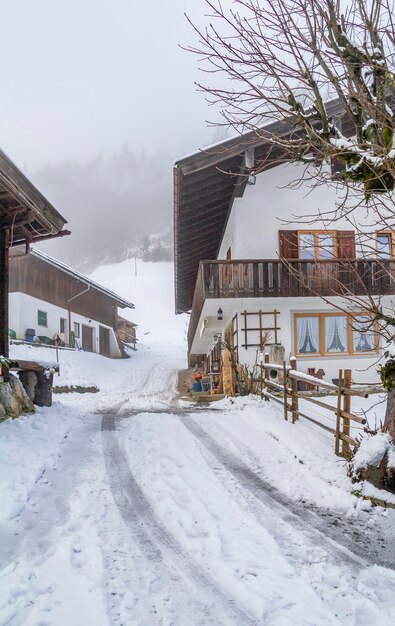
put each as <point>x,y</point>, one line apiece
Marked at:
<point>150,286</point>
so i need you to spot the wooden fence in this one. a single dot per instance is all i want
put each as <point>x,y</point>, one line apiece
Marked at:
<point>287,393</point>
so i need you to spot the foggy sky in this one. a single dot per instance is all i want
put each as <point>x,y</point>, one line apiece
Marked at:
<point>81,77</point>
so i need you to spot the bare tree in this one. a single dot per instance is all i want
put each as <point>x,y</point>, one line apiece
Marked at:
<point>286,61</point>
<point>286,58</point>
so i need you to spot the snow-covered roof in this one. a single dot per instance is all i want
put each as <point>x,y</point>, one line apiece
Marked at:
<point>84,279</point>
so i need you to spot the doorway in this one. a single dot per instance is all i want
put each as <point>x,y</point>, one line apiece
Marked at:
<point>104,341</point>
<point>87,338</point>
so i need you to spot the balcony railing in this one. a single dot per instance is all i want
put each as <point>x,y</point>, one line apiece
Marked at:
<point>293,279</point>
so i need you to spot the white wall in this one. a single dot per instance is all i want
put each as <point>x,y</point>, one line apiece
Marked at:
<point>364,367</point>
<point>23,315</point>
<point>256,218</point>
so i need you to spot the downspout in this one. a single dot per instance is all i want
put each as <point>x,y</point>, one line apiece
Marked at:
<point>69,308</point>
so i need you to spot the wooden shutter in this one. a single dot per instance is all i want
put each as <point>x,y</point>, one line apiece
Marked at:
<point>289,244</point>
<point>346,244</point>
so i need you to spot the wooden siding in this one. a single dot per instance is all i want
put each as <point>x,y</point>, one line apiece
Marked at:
<point>296,278</point>
<point>35,277</point>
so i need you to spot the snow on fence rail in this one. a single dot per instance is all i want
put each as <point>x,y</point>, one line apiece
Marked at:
<point>285,391</point>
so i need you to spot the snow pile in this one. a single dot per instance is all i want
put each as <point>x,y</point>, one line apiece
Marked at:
<point>27,446</point>
<point>370,491</point>
<point>372,451</point>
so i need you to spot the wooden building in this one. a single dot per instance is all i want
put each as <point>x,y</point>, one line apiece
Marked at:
<point>25,217</point>
<point>50,299</point>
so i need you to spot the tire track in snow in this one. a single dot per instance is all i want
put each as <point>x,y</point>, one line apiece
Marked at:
<point>157,543</point>
<point>307,522</point>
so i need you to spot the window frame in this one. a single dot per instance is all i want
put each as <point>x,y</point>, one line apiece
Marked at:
<point>45,313</point>
<point>63,322</point>
<point>316,233</point>
<point>322,339</point>
<point>388,234</point>
<point>77,334</point>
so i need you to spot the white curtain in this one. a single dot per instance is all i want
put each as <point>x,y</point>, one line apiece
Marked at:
<point>307,333</point>
<point>336,334</point>
<point>364,339</point>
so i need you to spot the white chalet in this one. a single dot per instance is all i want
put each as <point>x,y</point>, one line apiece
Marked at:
<point>237,244</point>
<point>47,297</point>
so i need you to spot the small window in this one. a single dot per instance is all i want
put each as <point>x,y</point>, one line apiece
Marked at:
<point>76,330</point>
<point>42,318</point>
<point>63,325</point>
<point>317,244</point>
<point>384,245</point>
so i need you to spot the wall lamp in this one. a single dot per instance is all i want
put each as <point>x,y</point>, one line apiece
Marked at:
<point>220,314</point>
<point>251,180</point>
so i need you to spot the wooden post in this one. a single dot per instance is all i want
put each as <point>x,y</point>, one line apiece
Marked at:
<point>346,409</point>
<point>294,387</point>
<point>4,284</point>
<point>285,390</point>
<point>266,369</point>
<point>338,413</point>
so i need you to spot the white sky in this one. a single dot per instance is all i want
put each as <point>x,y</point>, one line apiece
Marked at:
<point>81,77</point>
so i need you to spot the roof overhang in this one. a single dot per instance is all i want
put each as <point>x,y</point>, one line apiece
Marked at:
<point>24,211</point>
<point>205,186</point>
<point>84,280</point>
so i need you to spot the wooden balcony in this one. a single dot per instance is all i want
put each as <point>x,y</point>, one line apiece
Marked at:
<point>268,278</point>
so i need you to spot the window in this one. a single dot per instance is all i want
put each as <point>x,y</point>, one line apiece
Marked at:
<point>63,325</point>
<point>42,318</point>
<point>316,244</point>
<point>384,245</point>
<point>308,337</point>
<point>334,333</point>
<point>76,330</point>
<point>364,334</point>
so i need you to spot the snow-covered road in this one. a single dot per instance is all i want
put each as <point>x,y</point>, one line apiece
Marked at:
<point>140,509</point>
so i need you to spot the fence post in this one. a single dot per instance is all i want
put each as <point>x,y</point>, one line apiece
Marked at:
<point>294,397</point>
<point>347,409</point>
<point>338,412</point>
<point>265,370</point>
<point>285,390</point>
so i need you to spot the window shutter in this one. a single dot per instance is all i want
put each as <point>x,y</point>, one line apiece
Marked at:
<point>346,244</point>
<point>289,244</point>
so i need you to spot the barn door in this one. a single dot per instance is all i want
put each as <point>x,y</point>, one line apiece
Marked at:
<point>87,338</point>
<point>104,341</point>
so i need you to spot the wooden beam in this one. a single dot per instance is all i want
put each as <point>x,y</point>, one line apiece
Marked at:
<point>37,238</point>
<point>18,219</point>
<point>4,282</point>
